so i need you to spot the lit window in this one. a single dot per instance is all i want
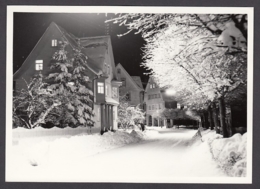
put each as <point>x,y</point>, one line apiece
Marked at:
<point>39,65</point>
<point>118,70</point>
<point>100,88</point>
<point>151,86</point>
<point>178,106</point>
<point>114,92</point>
<point>54,43</point>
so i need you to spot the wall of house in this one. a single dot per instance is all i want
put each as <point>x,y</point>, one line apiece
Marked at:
<point>97,117</point>
<point>154,101</point>
<point>130,88</point>
<point>42,51</point>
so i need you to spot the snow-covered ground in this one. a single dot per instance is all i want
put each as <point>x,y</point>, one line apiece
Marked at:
<point>156,155</point>
<point>229,153</point>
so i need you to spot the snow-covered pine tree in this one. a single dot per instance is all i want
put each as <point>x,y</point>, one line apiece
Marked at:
<point>69,83</point>
<point>84,101</point>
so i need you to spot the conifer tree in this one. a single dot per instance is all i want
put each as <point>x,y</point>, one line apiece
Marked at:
<point>69,83</point>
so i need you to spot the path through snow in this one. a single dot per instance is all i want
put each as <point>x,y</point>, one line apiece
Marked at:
<point>160,158</point>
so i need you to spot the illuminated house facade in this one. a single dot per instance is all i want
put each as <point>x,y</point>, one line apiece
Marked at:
<point>131,86</point>
<point>99,61</point>
<point>156,100</point>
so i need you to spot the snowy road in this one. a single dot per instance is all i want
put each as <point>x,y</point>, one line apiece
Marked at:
<point>161,158</point>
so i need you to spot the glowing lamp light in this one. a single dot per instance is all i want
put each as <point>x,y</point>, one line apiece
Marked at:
<point>170,92</point>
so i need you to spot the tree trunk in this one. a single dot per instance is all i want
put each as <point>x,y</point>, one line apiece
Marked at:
<point>229,122</point>
<point>215,117</point>
<point>222,114</point>
<point>210,118</point>
<point>202,121</point>
<point>206,120</point>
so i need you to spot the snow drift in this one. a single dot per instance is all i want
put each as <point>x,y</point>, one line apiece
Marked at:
<point>229,153</point>
<point>66,149</point>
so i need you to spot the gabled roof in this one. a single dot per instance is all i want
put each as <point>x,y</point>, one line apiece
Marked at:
<point>88,43</point>
<point>70,38</point>
<point>150,80</point>
<point>137,84</point>
<point>165,97</point>
<point>138,81</point>
<point>75,43</point>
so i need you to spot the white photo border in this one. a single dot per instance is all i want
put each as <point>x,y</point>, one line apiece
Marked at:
<point>135,9</point>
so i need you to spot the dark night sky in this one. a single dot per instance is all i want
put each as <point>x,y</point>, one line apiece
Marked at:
<point>29,27</point>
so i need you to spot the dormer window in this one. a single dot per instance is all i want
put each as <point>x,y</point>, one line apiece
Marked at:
<point>119,71</point>
<point>39,65</point>
<point>100,87</point>
<point>54,43</point>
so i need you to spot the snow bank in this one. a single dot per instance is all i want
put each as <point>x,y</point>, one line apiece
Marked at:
<point>66,149</point>
<point>230,153</point>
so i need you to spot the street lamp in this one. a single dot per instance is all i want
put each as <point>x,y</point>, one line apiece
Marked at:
<point>170,92</point>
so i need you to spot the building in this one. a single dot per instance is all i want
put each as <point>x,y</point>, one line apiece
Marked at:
<point>156,100</point>
<point>99,61</point>
<point>132,87</point>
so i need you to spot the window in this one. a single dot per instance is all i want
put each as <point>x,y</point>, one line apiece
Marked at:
<point>152,107</point>
<point>123,82</point>
<point>151,86</point>
<point>160,107</point>
<point>119,71</point>
<point>106,90</point>
<point>54,43</point>
<point>100,88</point>
<point>39,65</point>
<point>178,106</point>
<point>128,96</point>
<point>149,107</point>
<point>114,92</point>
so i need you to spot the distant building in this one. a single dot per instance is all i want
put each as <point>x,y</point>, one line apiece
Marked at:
<point>131,86</point>
<point>101,69</point>
<point>156,100</point>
